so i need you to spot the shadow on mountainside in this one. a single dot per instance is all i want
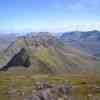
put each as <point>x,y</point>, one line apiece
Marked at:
<point>20,59</point>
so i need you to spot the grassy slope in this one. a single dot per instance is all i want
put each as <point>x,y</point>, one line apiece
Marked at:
<point>2,59</point>
<point>53,56</point>
<point>25,82</point>
<point>49,56</point>
<point>58,58</point>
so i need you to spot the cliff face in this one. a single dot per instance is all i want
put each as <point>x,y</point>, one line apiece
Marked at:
<point>20,59</point>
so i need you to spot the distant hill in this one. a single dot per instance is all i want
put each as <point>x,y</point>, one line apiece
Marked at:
<point>47,54</point>
<point>88,41</point>
<point>6,39</point>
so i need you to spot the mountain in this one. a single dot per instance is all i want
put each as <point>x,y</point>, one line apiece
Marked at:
<point>19,59</point>
<point>44,53</point>
<point>6,39</point>
<point>87,41</point>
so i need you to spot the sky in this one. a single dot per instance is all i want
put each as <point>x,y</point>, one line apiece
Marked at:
<point>49,15</point>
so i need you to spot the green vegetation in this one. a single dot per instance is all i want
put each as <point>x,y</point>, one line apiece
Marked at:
<point>2,60</point>
<point>25,82</point>
<point>60,43</point>
<point>49,56</point>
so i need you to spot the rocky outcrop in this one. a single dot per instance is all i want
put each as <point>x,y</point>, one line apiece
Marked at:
<point>20,59</point>
<point>50,92</point>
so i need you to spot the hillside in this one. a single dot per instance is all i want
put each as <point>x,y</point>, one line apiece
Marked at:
<point>41,67</point>
<point>6,39</point>
<point>87,41</point>
<point>48,54</point>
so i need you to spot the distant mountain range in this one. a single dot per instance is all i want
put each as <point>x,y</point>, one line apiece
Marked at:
<point>44,53</point>
<point>87,41</point>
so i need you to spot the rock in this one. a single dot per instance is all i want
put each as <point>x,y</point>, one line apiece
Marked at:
<point>65,89</point>
<point>32,98</point>
<point>45,91</point>
<point>20,59</point>
<point>43,85</point>
<point>97,89</point>
<point>44,94</point>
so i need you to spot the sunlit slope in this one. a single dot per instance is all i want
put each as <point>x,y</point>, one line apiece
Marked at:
<point>49,55</point>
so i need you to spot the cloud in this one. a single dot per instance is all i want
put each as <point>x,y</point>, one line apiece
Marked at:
<point>76,5</point>
<point>98,23</point>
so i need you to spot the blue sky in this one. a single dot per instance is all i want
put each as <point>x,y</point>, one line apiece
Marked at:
<point>49,15</point>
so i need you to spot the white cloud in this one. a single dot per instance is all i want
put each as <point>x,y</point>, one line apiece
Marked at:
<point>77,4</point>
<point>98,24</point>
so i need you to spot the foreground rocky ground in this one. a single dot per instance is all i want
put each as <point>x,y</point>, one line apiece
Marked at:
<point>45,91</point>
<point>29,86</point>
<point>58,92</point>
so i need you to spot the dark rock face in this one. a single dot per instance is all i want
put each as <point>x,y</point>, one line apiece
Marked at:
<point>20,59</point>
